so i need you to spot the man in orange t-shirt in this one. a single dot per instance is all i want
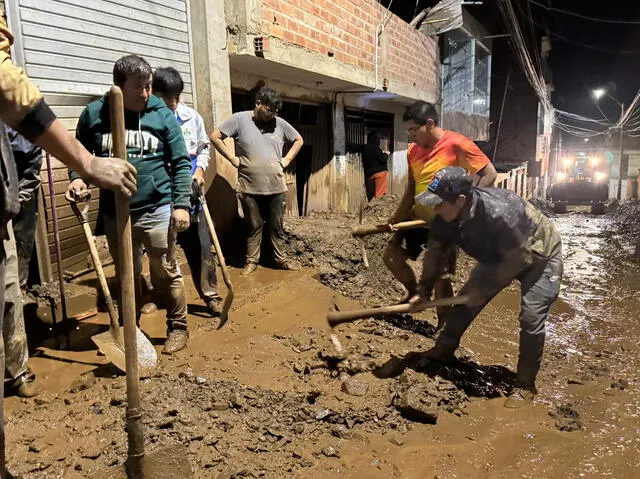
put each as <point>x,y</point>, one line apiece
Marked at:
<point>432,149</point>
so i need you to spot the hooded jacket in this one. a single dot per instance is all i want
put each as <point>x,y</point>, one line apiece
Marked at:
<point>155,147</point>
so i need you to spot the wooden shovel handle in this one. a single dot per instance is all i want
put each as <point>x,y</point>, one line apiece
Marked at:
<point>366,230</point>
<point>335,318</point>
<point>127,283</point>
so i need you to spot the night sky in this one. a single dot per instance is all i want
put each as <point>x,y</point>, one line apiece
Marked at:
<point>591,56</point>
<point>585,54</point>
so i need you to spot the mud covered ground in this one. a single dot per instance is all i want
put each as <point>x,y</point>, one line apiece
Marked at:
<point>324,242</point>
<point>268,395</point>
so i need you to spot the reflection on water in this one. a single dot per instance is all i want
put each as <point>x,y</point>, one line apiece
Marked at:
<point>595,323</point>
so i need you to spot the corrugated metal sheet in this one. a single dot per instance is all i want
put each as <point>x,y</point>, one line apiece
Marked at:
<point>68,48</point>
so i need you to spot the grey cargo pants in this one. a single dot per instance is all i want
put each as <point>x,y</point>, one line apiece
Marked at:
<point>539,288</point>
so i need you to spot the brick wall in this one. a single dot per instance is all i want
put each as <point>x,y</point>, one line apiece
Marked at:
<point>345,30</point>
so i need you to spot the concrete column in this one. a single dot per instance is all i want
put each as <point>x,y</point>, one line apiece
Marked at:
<point>213,100</point>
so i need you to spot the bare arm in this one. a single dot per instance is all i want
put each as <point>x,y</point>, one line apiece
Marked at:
<point>217,138</point>
<point>110,173</point>
<point>486,177</point>
<point>432,267</point>
<point>293,151</point>
<point>403,213</point>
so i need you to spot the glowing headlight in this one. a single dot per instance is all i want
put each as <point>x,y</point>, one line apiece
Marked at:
<point>567,162</point>
<point>600,176</point>
<point>561,175</point>
<point>595,161</point>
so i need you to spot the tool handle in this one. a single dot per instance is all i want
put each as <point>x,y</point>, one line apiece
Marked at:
<point>335,318</point>
<point>172,239</point>
<point>228,299</point>
<point>127,283</point>
<point>214,240</point>
<point>82,214</point>
<point>367,230</point>
<point>56,237</point>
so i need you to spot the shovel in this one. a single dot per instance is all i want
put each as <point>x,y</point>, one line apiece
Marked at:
<point>110,342</point>
<point>228,299</point>
<point>169,463</point>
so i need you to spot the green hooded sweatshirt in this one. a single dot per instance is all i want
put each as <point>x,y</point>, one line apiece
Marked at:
<point>155,147</point>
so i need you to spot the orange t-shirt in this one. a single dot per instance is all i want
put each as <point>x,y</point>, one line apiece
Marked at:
<point>453,149</point>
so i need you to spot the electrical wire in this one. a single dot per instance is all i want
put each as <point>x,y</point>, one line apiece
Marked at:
<point>584,45</point>
<point>585,17</point>
<point>521,51</point>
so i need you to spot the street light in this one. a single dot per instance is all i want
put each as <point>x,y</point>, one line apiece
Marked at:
<point>597,94</point>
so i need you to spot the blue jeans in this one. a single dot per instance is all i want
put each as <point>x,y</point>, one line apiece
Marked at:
<point>539,288</point>
<point>149,232</point>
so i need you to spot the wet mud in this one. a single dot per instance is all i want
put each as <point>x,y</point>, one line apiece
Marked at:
<point>269,394</point>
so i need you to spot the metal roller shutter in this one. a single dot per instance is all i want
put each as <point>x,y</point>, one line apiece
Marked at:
<point>68,48</point>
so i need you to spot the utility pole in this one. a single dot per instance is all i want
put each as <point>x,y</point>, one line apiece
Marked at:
<point>619,194</point>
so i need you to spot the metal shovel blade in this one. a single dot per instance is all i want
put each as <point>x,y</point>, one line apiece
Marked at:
<point>168,463</point>
<point>114,351</point>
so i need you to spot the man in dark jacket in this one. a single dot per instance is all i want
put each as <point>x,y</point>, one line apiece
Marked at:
<point>156,148</point>
<point>374,162</point>
<point>511,240</point>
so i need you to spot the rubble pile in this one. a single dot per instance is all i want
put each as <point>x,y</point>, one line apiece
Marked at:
<point>324,241</point>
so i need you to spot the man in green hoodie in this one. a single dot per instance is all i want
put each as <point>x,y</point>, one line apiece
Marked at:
<point>156,147</point>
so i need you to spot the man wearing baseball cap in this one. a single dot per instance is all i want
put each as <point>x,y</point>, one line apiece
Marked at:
<point>510,239</point>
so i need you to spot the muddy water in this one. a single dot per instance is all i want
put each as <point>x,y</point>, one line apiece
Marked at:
<point>256,399</point>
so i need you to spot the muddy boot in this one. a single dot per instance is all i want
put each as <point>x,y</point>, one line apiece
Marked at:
<point>214,308</point>
<point>286,265</point>
<point>440,354</point>
<point>25,385</point>
<point>248,269</point>
<point>149,308</point>
<point>176,341</point>
<point>520,397</point>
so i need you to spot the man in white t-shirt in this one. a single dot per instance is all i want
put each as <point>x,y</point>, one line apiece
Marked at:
<point>196,242</point>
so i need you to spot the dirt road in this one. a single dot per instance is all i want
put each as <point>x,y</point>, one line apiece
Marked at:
<point>268,395</point>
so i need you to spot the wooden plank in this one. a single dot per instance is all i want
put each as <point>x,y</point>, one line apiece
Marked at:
<point>74,263</point>
<point>106,13</point>
<point>71,221</point>
<point>66,212</point>
<point>72,239</point>
<point>70,251</point>
<point>66,27</point>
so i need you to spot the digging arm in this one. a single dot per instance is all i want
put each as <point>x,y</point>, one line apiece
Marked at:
<point>433,264</point>
<point>403,212</point>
